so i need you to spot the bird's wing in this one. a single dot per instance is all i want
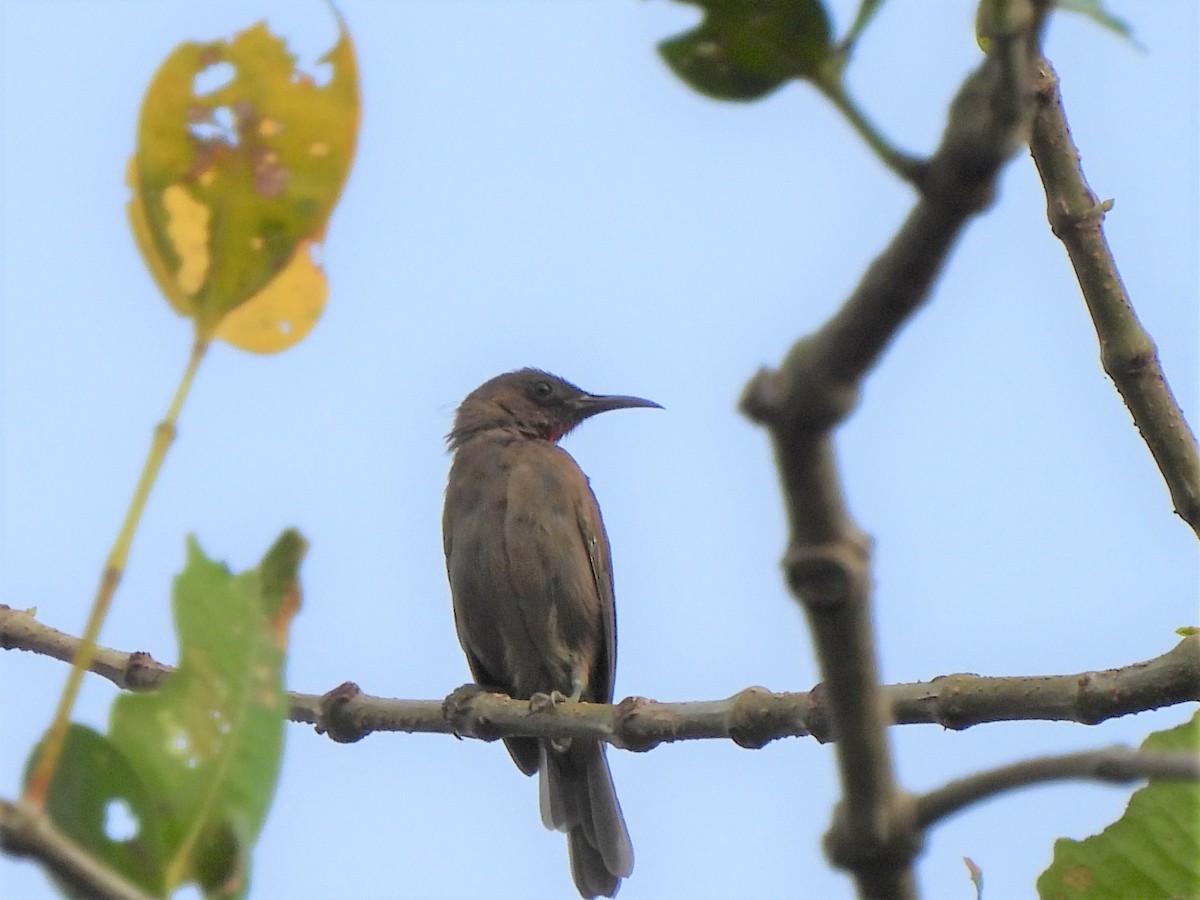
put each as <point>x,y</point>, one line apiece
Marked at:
<point>595,540</point>
<point>552,533</point>
<point>472,571</point>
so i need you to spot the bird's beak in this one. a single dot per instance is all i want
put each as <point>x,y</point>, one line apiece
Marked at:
<point>591,404</point>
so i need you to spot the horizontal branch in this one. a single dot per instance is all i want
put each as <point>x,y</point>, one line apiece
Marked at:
<point>751,718</point>
<point>1114,765</point>
<point>25,831</point>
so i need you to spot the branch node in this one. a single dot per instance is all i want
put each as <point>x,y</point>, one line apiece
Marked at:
<point>754,721</point>
<point>640,725</point>
<point>817,718</point>
<point>468,718</point>
<point>952,713</point>
<point>890,842</point>
<point>142,673</point>
<point>827,576</point>
<point>1094,694</point>
<point>336,719</point>
<point>764,396</point>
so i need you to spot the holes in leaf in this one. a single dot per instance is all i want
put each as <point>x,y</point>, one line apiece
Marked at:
<point>120,823</point>
<point>212,78</point>
<point>320,74</point>
<point>215,126</point>
<point>310,32</point>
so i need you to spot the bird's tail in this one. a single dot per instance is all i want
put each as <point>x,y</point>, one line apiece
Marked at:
<point>576,795</point>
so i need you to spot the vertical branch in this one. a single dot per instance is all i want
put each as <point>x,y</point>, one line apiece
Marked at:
<point>1127,352</point>
<point>827,562</point>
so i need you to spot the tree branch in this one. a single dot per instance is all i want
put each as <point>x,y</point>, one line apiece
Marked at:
<point>136,671</point>
<point>1115,765</point>
<point>751,718</point>
<point>816,387</point>
<point>1127,351</point>
<point>26,831</point>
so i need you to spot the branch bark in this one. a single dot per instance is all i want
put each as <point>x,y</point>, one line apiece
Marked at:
<point>1127,351</point>
<point>751,718</point>
<point>816,387</point>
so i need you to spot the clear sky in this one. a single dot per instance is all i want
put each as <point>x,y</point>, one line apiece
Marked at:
<point>533,187</point>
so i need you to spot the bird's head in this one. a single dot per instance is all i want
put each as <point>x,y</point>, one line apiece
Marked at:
<point>536,403</point>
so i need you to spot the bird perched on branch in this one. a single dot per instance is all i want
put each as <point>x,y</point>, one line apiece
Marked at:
<point>531,578</point>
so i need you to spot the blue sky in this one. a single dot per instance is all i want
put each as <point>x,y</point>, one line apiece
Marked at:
<point>534,188</point>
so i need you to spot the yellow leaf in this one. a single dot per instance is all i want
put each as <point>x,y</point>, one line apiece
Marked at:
<point>163,274</point>
<point>230,184</point>
<point>187,227</point>
<point>283,312</point>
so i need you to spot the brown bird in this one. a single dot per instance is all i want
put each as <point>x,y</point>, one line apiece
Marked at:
<point>532,583</point>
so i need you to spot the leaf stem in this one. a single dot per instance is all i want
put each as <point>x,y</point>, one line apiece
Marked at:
<point>907,167</point>
<point>114,568</point>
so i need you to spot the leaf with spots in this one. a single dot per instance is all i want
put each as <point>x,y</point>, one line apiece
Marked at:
<point>208,742</point>
<point>233,183</point>
<point>99,801</point>
<point>283,312</point>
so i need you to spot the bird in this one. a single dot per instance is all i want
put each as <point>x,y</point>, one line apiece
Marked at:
<point>531,582</point>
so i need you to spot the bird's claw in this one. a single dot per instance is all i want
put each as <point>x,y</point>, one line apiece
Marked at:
<point>541,702</point>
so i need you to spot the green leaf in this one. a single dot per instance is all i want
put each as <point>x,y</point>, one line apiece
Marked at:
<point>209,741</point>
<point>230,185</point>
<point>1151,852</point>
<point>94,781</point>
<point>744,49</point>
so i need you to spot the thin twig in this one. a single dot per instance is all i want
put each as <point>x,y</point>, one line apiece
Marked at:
<point>1114,765</point>
<point>26,831</point>
<point>1127,351</point>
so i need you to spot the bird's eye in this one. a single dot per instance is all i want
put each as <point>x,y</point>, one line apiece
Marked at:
<point>542,390</point>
